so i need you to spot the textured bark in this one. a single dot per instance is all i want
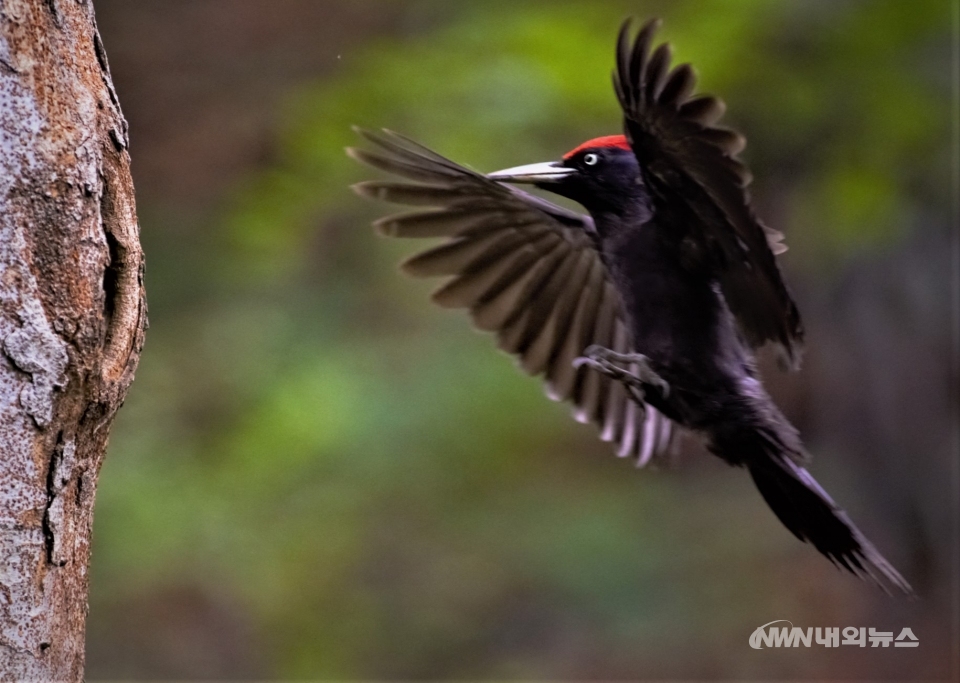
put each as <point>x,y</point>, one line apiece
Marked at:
<point>72,319</point>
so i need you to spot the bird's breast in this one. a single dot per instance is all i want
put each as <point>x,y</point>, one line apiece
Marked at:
<point>675,314</point>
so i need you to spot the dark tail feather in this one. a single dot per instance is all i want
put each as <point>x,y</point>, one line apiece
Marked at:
<point>807,511</point>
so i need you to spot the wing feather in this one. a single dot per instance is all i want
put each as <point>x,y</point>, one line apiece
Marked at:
<point>526,270</point>
<point>689,161</point>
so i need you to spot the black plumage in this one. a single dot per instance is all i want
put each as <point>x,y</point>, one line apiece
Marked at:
<point>672,272</point>
<point>527,270</point>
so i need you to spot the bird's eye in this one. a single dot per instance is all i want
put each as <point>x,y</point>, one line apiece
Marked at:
<point>591,159</point>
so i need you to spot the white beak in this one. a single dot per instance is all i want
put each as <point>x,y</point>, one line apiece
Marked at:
<point>546,172</point>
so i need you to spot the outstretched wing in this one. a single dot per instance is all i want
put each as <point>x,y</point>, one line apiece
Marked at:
<point>685,158</point>
<point>526,270</point>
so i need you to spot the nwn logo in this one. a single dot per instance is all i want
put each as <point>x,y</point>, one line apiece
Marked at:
<point>777,636</point>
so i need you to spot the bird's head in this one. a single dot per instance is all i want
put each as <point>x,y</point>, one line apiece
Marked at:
<point>602,174</point>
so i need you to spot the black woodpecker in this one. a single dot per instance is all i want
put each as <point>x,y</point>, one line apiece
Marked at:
<point>646,313</point>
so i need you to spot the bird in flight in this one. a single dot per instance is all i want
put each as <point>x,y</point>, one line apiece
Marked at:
<point>646,313</point>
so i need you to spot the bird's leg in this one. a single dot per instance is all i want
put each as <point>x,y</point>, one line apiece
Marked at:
<point>636,377</point>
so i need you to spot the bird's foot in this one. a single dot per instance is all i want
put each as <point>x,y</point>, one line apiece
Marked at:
<point>636,376</point>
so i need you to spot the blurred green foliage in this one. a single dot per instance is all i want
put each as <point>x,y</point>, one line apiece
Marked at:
<point>376,486</point>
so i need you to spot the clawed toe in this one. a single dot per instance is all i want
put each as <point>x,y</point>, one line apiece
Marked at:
<point>637,374</point>
<point>581,361</point>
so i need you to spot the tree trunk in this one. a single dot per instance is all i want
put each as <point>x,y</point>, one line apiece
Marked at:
<point>72,320</point>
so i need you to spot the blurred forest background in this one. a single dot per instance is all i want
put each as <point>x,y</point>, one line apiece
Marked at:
<point>320,475</point>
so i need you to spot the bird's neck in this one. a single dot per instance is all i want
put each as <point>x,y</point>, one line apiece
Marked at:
<point>614,219</point>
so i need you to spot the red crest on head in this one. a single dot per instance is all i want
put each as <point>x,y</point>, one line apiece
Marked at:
<point>605,141</point>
